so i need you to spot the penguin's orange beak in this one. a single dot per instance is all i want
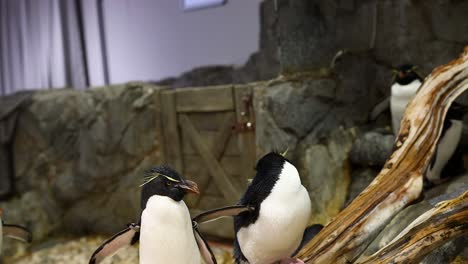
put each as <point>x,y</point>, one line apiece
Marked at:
<point>1,212</point>
<point>189,186</point>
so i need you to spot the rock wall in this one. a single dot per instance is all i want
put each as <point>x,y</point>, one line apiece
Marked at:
<point>79,157</point>
<point>425,33</point>
<point>335,60</point>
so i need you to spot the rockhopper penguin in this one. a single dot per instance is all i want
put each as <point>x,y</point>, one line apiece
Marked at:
<point>274,229</point>
<point>406,84</point>
<point>447,160</point>
<point>165,232</point>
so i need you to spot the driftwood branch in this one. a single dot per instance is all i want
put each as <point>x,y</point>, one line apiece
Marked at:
<point>400,181</point>
<point>448,220</point>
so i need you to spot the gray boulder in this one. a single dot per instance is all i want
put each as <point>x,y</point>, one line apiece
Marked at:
<point>372,149</point>
<point>326,174</point>
<point>82,156</point>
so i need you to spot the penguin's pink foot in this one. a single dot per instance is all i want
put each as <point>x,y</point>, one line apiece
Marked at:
<point>291,261</point>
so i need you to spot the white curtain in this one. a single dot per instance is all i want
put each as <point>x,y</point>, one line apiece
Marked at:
<point>43,45</point>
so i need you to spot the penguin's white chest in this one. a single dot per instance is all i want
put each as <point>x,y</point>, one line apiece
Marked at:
<point>401,95</point>
<point>283,216</point>
<point>166,234</point>
<point>445,149</point>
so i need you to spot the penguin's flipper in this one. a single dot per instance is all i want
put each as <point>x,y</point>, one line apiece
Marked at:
<point>239,257</point>
<point>379,108</point>
<point>204,248</point>
<point>309,233</point>
<point>124,238</point>
<point>17,232</point>
<point>214,214</point>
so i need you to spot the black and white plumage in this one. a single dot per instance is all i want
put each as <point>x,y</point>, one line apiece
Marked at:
<point>274,229</point>
<point>228,211</point>
<point>127,237</point>
<point>165,232</point>
<point>16,232</point>
<point>447,161</point>
<point>405,86</point>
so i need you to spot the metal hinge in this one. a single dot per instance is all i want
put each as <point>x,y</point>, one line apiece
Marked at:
<point>247,122</point>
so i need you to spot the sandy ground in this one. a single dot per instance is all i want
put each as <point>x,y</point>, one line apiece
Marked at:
<point>79,250</point>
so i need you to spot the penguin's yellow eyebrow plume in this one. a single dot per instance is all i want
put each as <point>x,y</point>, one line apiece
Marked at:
<point>154,175</point>
<point>285,152</point>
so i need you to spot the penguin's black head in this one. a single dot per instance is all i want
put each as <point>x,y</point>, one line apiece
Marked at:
<point>271,161</point>
<point>164,181</point>
<point>406,73</point>
<point>268,169</point>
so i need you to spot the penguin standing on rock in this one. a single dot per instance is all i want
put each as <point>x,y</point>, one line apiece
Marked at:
<point>13,231</point>
<point>447,160</point>
<point>165,232</point>
<point>406,84</point>
<point>274,229</point>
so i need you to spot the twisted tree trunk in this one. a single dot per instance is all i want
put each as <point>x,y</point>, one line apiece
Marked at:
<point>400,181</point>
<point>448,220</point>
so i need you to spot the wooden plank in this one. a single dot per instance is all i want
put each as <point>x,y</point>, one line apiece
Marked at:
<point>222,180</point>
<point>208,121</point>
<point>210,137</point>
<point>210,99</point>
<point>246,139</point>
<point>172,149</point>
<point>218,148</point>
<point>194,163</point>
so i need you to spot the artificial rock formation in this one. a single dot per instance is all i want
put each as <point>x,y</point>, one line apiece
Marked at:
<point>399,183</point>
<point>75,151</point>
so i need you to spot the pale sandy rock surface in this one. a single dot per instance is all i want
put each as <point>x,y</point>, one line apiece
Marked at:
<point>79,250</point>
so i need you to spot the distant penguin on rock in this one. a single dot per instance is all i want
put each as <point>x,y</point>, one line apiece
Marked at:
<point>274,229</point>
<point>447,161</point>
<point>406,84</point>
<point>166,232</point>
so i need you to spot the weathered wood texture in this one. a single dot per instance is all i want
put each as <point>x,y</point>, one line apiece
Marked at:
<point>222,180</point>
<point>172,151</point>
<point>448,220</point>
<point>400,181</point>
<point>246,139</point>
<point>201,142</point>
<point>208,99</point>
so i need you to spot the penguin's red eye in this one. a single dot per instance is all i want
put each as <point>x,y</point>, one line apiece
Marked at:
<point>168,183</point>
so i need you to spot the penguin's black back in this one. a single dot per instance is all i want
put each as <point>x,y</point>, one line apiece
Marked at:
<point>455,165</point>
<point>268,170</point>
<point>456,111</point>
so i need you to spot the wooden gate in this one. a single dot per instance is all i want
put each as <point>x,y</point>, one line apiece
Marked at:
<point>209,137</point>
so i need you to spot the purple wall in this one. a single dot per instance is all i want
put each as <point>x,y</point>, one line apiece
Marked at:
<point>154,39</point>
<point>41,45</point>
